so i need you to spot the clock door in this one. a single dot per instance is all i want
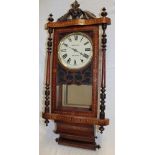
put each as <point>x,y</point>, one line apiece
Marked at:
<point>75,65</point>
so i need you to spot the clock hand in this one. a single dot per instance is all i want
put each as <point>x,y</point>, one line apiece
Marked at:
<point>72,48</point>
<point>75,50</point>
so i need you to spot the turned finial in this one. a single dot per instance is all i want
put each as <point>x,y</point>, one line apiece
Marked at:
<point>50,19</point>
<point>75,5</point>
<point>104,13</point>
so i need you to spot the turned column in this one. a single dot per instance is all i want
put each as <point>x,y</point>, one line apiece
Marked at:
<point>103,77</point>
<point>47,84</point>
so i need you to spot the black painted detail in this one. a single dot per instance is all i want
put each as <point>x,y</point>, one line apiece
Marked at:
<point>76,37</point>
<point>64,56</point>
<point>83,76</point>
<point>86,56</point>
<point>87,49</point>
<point>86,43</point>
<point>69,60</point>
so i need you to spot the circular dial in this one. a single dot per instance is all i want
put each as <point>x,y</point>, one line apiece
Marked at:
<point>75,50</point>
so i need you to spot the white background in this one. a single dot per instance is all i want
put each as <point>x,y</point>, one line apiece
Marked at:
<point>19,82</point>
<point>47,137</point>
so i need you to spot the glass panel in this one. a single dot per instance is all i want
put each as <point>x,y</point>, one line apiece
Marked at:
<point>77,95</point>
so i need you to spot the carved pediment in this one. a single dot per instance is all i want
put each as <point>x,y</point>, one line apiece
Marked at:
<point>76,13</point>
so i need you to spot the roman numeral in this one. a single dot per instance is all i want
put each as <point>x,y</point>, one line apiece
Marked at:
<point>64,56</point>
<point>63,50</point>
<point>69,39</point>
<point>87,49</point>
<point>81,39</point>
<point>85,55</point>
<point>76,37</point>
<point>74,62</point>
<point>65,44</point>
<point>86,43</point>
<point>69,60</point>
<point>81,60</point>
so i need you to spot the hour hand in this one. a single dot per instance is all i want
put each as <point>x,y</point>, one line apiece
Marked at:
<point>84,55</point>
<point>69,47</point>
<point>75,50</point>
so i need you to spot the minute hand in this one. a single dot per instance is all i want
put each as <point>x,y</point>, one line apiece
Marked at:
<point>75,50</point>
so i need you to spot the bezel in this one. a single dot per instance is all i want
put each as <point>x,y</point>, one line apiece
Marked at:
<point>60,59</point>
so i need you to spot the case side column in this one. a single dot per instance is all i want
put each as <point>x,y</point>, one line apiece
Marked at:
<point>47,84</point>
<point>103,78</point>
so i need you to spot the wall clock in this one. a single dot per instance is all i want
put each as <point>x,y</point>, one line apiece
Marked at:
<point>75,89</point>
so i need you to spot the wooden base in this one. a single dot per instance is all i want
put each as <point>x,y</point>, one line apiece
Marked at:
<point>76,135</point>
<point>78,119</point>
<point>74,143</point>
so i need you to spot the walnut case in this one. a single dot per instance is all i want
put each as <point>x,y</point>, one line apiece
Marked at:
<point>76,124</point>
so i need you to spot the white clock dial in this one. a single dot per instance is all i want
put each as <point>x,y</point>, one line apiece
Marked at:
<point>75,50</point>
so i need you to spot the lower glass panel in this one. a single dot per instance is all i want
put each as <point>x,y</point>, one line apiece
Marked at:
<point>76,96</point>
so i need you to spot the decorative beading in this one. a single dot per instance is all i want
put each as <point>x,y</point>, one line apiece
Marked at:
<point>76,77</point>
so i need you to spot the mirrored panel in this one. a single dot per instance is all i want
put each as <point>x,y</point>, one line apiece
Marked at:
<point>75,96</point>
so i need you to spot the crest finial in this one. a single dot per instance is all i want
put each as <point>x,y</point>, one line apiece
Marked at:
<point>76,13</point>
<point>75,5</point>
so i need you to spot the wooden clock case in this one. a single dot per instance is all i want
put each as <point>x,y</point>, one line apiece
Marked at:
<point>75,125</point>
